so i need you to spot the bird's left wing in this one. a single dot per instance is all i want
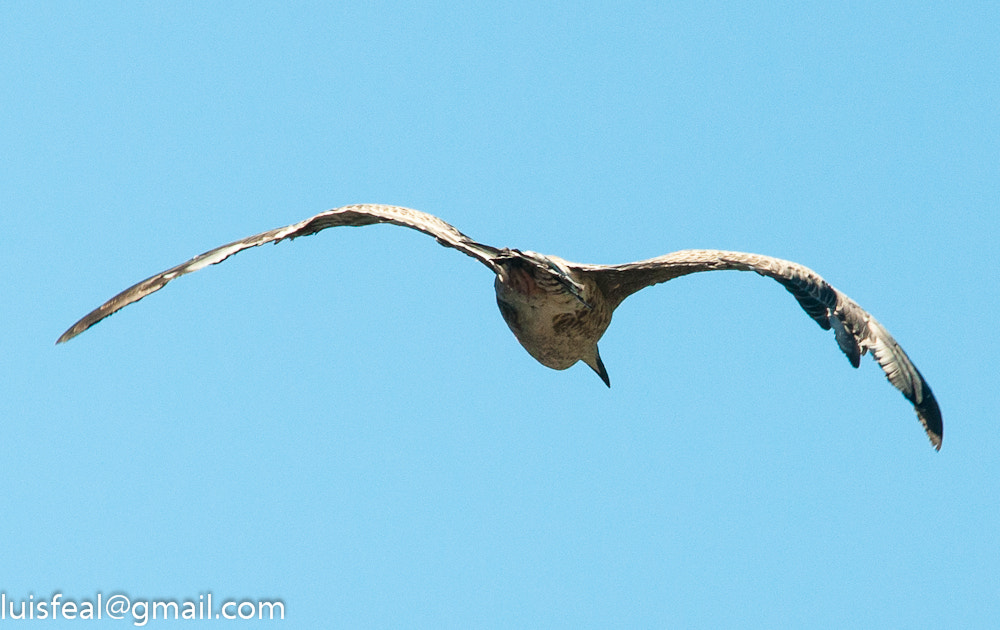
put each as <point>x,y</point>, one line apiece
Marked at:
<point>357,215</point>
<point>857,332</point>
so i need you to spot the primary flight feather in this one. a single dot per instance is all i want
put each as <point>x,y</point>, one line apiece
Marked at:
<point>559,310</point>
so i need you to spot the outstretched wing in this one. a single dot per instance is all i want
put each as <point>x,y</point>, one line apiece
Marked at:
<point>857,332</point>
<point>357,215</point>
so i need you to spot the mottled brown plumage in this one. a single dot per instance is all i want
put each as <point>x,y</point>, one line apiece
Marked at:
<point>559,310</point>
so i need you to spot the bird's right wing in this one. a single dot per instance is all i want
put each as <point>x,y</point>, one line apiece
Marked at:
<point>357,215</point>
<point>856,331</point>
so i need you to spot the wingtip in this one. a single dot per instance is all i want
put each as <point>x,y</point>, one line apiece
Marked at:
<point>930,417</point>
<point>70,333</point>
<point>935,439</point>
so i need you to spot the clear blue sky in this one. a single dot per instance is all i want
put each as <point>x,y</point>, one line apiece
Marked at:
<point>345,422</point>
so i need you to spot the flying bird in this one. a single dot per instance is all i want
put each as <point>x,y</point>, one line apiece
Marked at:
<point>558,310</point>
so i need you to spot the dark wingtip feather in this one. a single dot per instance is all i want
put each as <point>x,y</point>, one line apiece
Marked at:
<point>930,416</point>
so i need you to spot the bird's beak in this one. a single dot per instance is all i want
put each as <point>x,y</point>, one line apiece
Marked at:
<point>598,366</point>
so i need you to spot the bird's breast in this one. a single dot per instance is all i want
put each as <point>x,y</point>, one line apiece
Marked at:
<point>556,327</point>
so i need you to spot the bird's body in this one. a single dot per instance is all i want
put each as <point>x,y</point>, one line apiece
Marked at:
<point>555,325</point>
<point>559,310</point>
